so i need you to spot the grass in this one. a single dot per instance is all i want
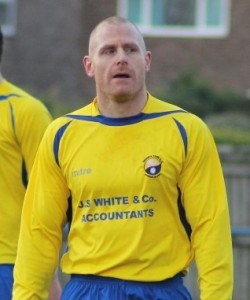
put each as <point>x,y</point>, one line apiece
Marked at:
<point>231,136</point>
<point>230,128</point>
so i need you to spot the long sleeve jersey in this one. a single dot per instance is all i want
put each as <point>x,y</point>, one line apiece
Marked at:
<point>23,120</point>
<point>144,196</point>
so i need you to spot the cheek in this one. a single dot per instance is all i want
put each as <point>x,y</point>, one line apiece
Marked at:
<point>141,71</point>
<point>103,71</point>
<point>100,76</point>
<point>99,68</point>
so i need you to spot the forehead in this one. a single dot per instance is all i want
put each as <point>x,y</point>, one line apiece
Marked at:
<point>115,33</point>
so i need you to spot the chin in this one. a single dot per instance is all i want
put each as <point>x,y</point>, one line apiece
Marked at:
<point>122,97</point>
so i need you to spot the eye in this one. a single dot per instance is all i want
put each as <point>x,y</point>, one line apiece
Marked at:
<point>131,49</point>
<point>108,51</point>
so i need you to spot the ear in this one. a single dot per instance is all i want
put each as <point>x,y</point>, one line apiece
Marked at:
<point>88,66</point>
<point>148,59</point>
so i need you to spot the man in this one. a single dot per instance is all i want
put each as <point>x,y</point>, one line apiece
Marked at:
<point>23,122</point>
<point>140,182</point>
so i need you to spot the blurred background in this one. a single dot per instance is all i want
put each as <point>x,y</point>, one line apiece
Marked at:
<point>201,51</point>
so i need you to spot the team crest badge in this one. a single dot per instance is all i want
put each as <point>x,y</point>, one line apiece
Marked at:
<point>152,165</point>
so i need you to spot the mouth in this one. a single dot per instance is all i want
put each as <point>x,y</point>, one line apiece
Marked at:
<point>121,75</point>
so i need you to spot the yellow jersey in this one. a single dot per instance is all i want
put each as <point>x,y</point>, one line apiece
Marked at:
<point>23,120</point>
<point>144,195</point>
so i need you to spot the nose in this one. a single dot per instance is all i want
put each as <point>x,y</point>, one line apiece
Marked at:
<point>121,57</point>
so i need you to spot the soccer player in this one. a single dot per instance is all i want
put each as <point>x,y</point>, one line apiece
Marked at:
<point>140,182</point>
<point>23,121</point>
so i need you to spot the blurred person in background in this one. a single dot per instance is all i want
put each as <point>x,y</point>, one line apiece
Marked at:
<point>23,120</point>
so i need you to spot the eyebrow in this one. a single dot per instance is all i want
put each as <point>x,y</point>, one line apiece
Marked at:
<point>106,46</point>
<point>125,45</point>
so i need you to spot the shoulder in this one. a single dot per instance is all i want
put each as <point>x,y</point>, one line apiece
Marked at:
<point>22,100</point>
<point>157,105</point>
<point>63,122</point>
<point>189,121</point>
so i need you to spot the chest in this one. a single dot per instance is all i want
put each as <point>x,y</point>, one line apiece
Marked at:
<point>94,156</point>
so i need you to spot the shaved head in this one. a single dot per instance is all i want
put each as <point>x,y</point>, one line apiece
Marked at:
<point>115,20</point>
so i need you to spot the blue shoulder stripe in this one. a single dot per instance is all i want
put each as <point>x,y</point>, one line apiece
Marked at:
<point>183,134</point>
<point>57,140</point>
<point>12,116</point>
<point>24,174</point>
<point>5,97</point>
<point>182,215</point>
<point>123,121</point>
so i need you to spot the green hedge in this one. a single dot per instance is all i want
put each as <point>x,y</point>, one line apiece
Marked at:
<point>226,112</point>
<point>194,94</point>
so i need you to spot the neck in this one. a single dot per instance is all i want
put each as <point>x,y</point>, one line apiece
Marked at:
<point>120,108</point>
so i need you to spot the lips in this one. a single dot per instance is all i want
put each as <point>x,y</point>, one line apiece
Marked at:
<point>121,75</point>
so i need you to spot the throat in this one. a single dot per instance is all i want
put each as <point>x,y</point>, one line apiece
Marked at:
<point>121,107</point>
